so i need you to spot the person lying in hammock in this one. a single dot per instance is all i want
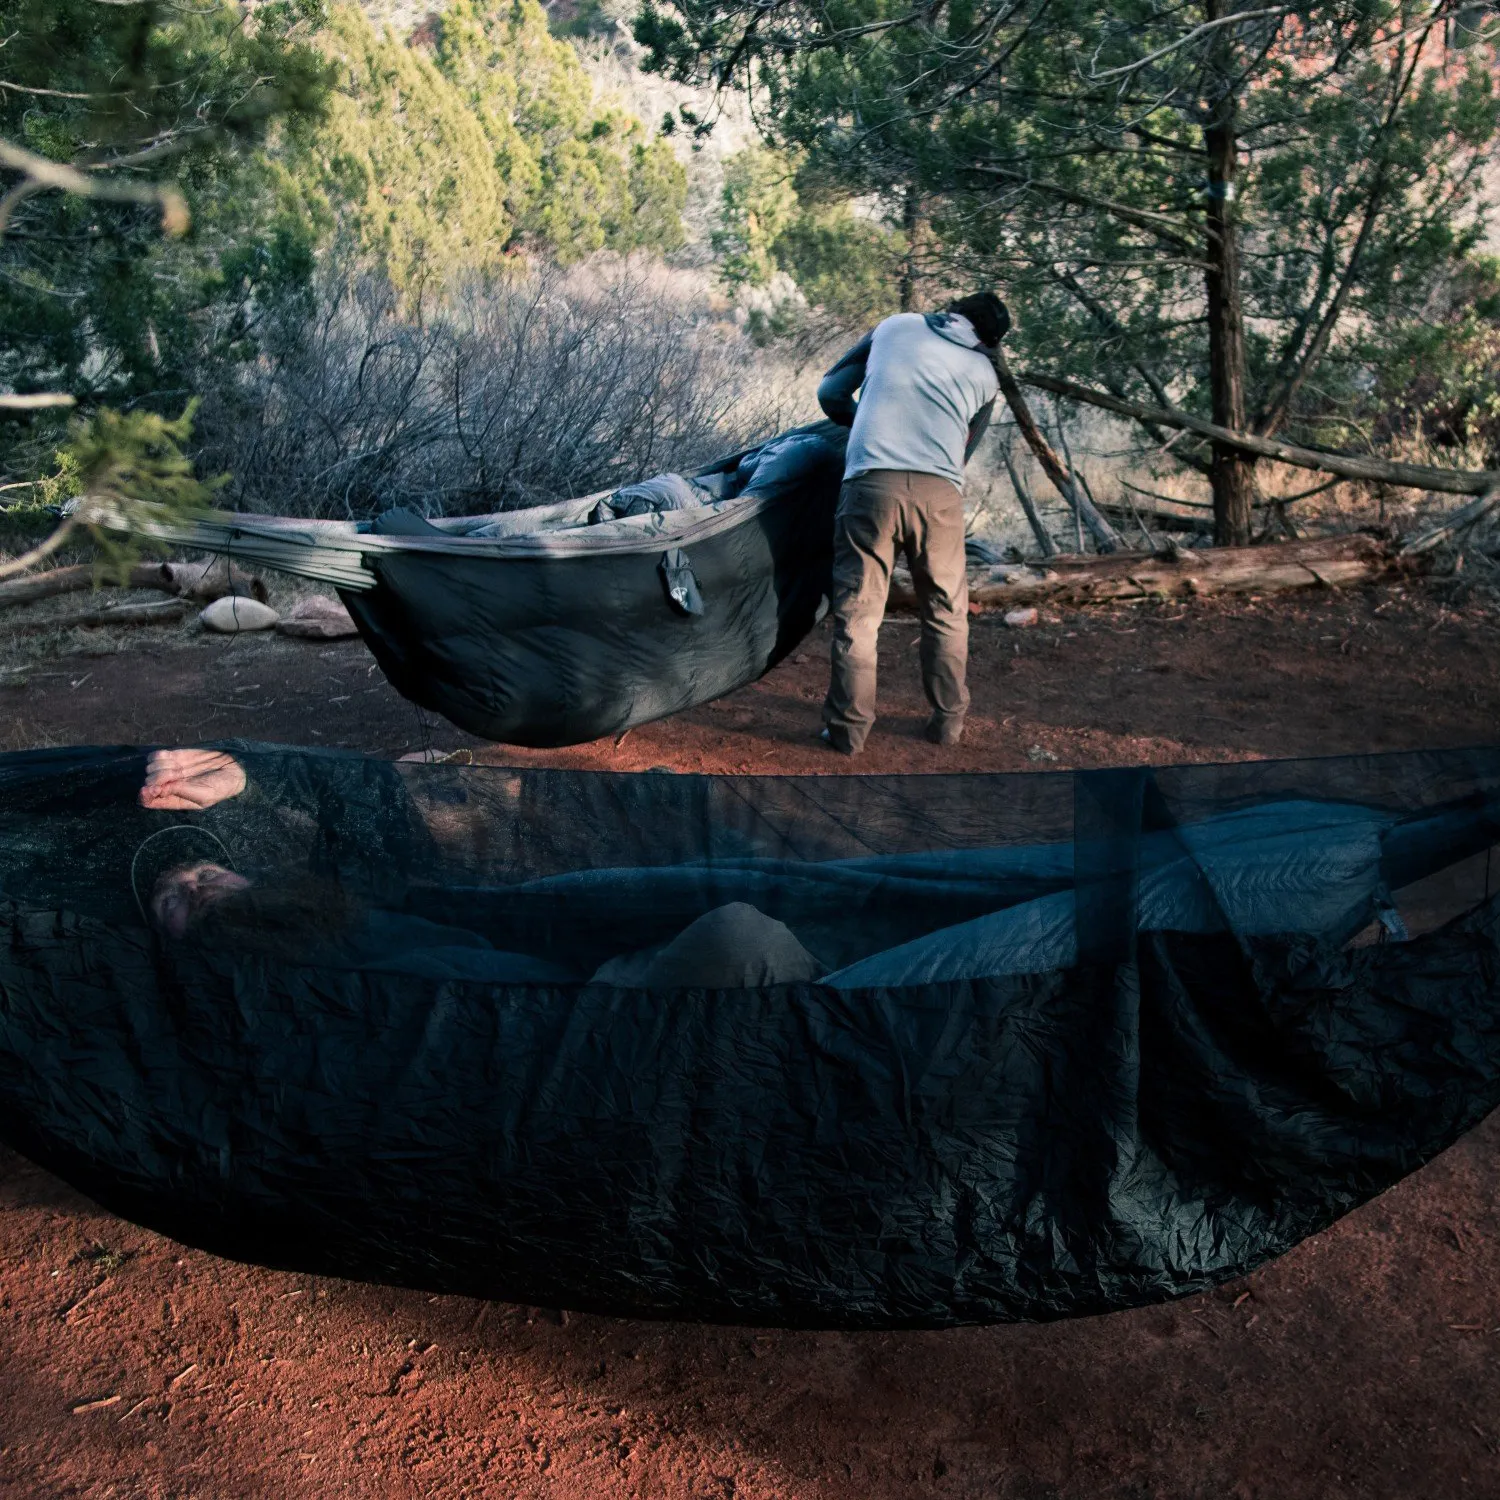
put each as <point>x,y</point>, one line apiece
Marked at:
<point>314,920</point>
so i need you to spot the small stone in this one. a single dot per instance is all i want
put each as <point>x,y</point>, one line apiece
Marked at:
<point>1037,754</point>
<point>1019,619</point>
<point>318,618</point>
<point>233,614</point>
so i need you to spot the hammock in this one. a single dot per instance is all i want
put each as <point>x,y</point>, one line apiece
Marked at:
<point>562,623</point>
<point>812,1051</point>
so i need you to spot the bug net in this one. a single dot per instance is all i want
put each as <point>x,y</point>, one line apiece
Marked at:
<point>846,1051</point>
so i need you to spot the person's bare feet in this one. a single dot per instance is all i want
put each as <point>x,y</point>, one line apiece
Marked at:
<point>182,896</point>
<point>190,780</point>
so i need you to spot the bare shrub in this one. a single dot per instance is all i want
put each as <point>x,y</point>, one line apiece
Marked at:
<point>500,396</point>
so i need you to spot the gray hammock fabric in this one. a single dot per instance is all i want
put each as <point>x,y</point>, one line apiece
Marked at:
<point>562,623</point>
<point>821,1051</point>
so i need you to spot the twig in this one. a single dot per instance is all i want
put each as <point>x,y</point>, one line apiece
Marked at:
<point>42,401</point>
<point>41,174</point>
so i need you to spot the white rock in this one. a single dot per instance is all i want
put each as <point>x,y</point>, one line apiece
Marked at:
<point>1018,619</point>
<point>230,615</point>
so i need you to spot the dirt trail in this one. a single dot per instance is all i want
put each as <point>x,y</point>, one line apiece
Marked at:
<point>1366,1363</point>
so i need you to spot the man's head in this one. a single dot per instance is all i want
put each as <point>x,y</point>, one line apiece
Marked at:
<point>988,314</point>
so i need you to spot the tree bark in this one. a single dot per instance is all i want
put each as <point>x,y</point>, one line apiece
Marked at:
<point>1328,562</point>
<point>1232,472</point>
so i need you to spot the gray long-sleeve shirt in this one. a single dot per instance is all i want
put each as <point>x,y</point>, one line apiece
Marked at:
<point>927,388</point>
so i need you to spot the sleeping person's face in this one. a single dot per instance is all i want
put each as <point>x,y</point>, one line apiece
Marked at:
<point>182,896</point>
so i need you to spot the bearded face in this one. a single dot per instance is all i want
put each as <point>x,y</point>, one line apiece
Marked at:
<point>182,896</point>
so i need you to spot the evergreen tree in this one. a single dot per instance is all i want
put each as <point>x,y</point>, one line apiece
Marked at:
<point>118,123</point>
<point>148,105</point>
<point>459,159</point>
<point>1231,206</point>
<point>844,264</point>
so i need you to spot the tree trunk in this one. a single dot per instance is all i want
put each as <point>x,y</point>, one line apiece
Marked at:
<point>1232,474</point>
<point>911,224</point>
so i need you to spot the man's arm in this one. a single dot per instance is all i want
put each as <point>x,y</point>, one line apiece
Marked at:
<point>836,389</point>
<point>978,427</point>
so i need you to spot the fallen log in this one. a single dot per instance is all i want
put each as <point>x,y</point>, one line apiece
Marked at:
<point>1328,562</point>
<point>85,576</point>
<point>205,581</point>
<point>160,611</point>
<point>1462,518</point>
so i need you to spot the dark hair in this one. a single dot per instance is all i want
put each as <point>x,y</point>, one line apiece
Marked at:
<point>989,315</point>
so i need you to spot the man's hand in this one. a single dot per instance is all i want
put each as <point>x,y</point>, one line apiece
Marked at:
<point>190,780</point>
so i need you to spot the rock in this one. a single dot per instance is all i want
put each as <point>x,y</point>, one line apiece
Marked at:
<point>1019,619</point>
<point>318,618</point>
<point>233,614</point>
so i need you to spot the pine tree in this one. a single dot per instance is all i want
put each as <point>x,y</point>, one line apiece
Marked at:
<point>458,160</point>
<point>1228,206</point>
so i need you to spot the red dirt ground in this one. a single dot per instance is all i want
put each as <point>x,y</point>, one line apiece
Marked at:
<point>1366,1363</point>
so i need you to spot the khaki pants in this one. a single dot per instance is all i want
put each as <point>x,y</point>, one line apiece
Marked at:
<point>881,513</point>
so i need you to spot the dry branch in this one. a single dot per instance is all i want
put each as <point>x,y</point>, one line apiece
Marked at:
<point>1105,535</point>
<point>158,612</point>
<point>1329,562</point>
<point>1464,517</point>
<point>1165,520</point>
<point>1346,465</point>
<point>44,401</point>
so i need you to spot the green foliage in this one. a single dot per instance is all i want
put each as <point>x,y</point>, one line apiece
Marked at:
<point>757,206</point>
<point>1061,149</point>
<point>402,163</point>
<point>92,298</point>
<point>1439,382</point>
<point>118,472</point>
<point>846,265</point>
<point>131,472</point>
<point>458,160</point>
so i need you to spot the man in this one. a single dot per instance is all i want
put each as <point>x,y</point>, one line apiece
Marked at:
<point>927,386</point>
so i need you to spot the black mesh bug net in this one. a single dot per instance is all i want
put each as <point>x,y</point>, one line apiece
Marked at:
<point>819,1051</point>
